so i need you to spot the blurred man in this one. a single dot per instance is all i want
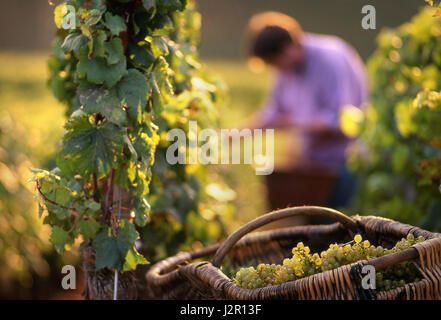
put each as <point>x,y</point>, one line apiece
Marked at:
<point>316,75</point>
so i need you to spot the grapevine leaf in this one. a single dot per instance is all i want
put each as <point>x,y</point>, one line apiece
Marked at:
<point>114,50</point>
<point>115,23</point>
<point>133,259</point>
<point>98,71</point>
<point>140,56</point>
<point>86,31</point>
<point>170,4</point>
<point>89,148</point>
<point>74,42</point>
<point>148,4</point>
<point>145,145</point>
<point>88,228</point>
<point>128,233</point>
<point>59,238</point>
<point>159,45</point>
<point>142,211</point>
<point>142,180</point>
<point>40,210</point>
<point>103,101</point>
<point>159,81</point>
<point>93,205</point>
<point>140,22</point>
<point>99,5</point>
<point>133,90</point>
<point>46,186</point>
<point>159,78</point>
<point>59,13</point>
<point>97,45</point>
<point>110,251</point>
<point>129,145</point>
<point>62,196</point>
<point>60,212</point>
<point>93,17</point>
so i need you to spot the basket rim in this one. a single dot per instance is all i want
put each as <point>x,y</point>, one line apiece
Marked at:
<point>171,268</point>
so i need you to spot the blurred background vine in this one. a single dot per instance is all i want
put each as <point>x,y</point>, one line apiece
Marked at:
<point>398,157</point>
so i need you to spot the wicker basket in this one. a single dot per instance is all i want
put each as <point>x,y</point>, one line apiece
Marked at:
<point>180,277</point>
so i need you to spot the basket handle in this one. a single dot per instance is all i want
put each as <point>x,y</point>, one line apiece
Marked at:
<point>277,215</point>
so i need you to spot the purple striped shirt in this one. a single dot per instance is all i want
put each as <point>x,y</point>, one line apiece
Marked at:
<point>333,76</point>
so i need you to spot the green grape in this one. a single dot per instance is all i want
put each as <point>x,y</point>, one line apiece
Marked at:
<point>303,263</point>
<point>380,251</point>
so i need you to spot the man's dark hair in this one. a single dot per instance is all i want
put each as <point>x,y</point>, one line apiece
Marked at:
<point>270,41</point>
<point>268,33</point>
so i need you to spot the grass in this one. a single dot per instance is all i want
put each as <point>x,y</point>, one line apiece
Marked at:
<point>27,100</point>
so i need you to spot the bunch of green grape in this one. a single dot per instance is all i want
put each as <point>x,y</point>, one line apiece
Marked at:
<point>303,263</point>
<point>398,275</point>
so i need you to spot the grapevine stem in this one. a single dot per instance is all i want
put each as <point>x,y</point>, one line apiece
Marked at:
<point>95,187</point>
<point>53,202</point>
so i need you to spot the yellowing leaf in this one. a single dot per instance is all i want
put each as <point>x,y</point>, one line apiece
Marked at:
<point>60,12</point>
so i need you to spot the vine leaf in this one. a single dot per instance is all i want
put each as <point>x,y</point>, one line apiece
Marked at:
<point>40,210</point>
<point>170,4</point>
<point>140,55</point>
<point>117,252</point>
<point>133,259</point>
<point>114,51</point>
<point>142,210</point>
<point>127,233</point>
<point>159,45</point>
<point>89,148</point>
<point>59,238</point>
<point>99,5</point>
<point>110,251</point>
<point>93,17</point>
<point>88,228</point>
<point>145,145</point>
<point>133,90</point>
<point>74,42</point>
<point>103,101</point>
<point>96,45</point>
<point>115,23</point>
<point>98,71</point>
<point>148,4</point>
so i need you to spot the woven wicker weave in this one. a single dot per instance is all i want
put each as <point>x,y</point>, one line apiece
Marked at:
<point>181,277</point>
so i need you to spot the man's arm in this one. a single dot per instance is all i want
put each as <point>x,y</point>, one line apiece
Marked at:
<point>272,114</point>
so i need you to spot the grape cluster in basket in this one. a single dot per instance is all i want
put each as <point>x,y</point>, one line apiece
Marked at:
<point>303,263</point>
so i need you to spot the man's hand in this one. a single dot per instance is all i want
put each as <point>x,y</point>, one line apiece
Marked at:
<point>316,127</point>
<point>321,129</point>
